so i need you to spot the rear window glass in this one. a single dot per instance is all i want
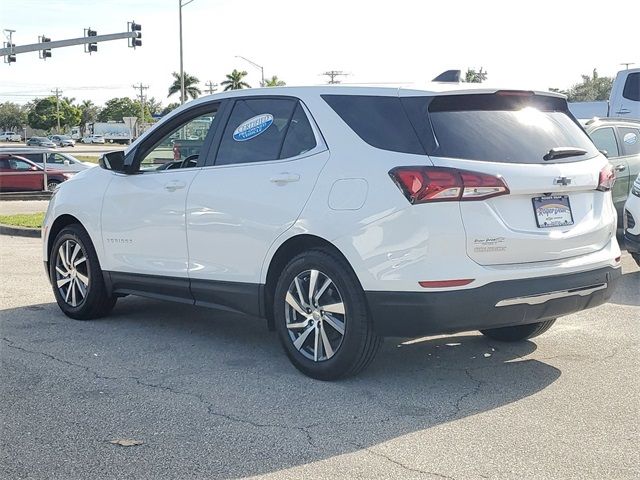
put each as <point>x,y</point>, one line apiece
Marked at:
<point>484,127</point>
<point>505,128</point>
<point>631,89</point>
<point>380,121</point>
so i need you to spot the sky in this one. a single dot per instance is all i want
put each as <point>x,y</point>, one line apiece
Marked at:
<point>521,44</point>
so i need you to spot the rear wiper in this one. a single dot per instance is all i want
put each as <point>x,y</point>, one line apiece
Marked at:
<point>561,152</point>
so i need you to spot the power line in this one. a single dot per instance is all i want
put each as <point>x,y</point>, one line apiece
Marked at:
<point>212,87</point>
<point>333,74</point>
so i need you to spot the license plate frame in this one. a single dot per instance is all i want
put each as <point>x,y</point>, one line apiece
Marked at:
<point>552,211</point>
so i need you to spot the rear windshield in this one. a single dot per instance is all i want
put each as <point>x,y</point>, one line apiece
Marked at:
<point>483,127</point>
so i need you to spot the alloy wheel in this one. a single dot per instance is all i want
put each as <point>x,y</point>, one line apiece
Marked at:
<point>72,275</point>
<point>315,315</point>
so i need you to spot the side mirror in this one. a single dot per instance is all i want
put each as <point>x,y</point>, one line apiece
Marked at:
<point>66,162</point>
<point>604,152</point>
<point>34,169</point>
<point>113,161</point>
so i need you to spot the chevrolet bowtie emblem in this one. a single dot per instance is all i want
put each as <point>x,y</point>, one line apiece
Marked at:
<point>562,181</point>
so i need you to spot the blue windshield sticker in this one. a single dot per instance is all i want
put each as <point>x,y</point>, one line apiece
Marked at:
<point>630,138</point>
<point>252,127</point>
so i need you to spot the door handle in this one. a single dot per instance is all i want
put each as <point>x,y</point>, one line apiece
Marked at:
<point>623,111</point>
<point>174,185</point>
<point>620,168</point>
<point>284,178</point>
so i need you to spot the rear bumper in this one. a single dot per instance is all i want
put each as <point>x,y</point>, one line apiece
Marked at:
<point>497,304</point>
<point>632,242</point>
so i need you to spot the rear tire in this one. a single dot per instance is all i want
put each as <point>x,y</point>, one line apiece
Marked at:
<point>52,185</point>
<point>76,276</point>
<point>518,332</point>
<point>334,335</point>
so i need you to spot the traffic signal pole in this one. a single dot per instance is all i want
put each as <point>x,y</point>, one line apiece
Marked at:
<point>34,47</point>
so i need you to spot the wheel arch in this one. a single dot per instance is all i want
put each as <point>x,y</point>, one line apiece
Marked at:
<point>285,252</point>
<point>57,225</point>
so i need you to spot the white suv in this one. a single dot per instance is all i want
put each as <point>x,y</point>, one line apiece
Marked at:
<point>346,214</point>
<point>631,221</point>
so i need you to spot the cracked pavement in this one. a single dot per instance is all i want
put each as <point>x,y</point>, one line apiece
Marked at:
<point>212,395</point>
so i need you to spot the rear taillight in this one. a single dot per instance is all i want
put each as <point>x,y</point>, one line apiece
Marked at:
<point>607,178</point>
<point>441,184</point>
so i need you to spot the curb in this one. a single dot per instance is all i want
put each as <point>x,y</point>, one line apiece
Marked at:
<point>19,231</point>
<point>25,196</point>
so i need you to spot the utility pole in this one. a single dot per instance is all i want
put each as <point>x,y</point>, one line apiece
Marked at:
<point>212,87</point>
<point>142,88</point>
<point>180,5</point>
<point>333,74</point>
<point>57,92</point>
<point>255,65</point>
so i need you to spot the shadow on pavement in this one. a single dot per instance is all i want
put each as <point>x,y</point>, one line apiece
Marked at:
<point>628,290</point>
<point>213,394</point>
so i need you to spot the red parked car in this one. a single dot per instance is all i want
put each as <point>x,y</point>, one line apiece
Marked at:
<point>18,174</point>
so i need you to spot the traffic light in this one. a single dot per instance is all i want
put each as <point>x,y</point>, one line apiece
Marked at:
<point>90,47</point>
<point>45,52</point>
<point>137,29</point>
<point>11,58</point>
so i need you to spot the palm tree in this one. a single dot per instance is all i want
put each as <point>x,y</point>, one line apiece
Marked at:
<point>234,81</point>
<point>274,82</point>
<point>89,113</point>
<point>190,86</point>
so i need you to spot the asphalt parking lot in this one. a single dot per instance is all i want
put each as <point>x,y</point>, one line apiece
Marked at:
<point>211,395</point>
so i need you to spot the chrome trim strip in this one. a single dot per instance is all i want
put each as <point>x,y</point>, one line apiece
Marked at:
<point>545,297</point>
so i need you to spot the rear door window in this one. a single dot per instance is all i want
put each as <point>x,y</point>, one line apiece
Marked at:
<point>631,89</point>
<point>630,139</point>
<point>605,139</point>
<point>257,129</point>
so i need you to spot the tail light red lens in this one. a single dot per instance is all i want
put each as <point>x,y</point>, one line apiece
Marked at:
<point>441,184</point>
<point>607,178</point>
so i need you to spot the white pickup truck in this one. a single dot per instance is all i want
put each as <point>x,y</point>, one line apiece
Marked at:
<point>624,100</point>
<point>10,137</point>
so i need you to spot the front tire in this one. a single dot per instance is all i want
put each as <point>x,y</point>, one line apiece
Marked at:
<point>321,316</point>
<point>518,332</point>
<point>52,185</point>
<point>76,276</point>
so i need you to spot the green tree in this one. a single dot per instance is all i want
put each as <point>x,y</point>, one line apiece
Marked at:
<point>475,76</point>
<point>190,86</point>
<point>154,106</point>
<point>119,107</point>
<point>274,82</point>
<point>44,114</point>
<point>169,108</point>
<point>88,112</point>
<point>235,81</point>
<point>12,116</point>
<point>591,89</point>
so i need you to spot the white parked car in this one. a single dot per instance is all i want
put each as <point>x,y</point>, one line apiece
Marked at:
<point>346,214</point>
<point>632,221</point>
<point>10,137</point>
<point>93,139</point>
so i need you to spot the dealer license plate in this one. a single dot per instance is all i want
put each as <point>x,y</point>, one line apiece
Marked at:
<point>552,211</point>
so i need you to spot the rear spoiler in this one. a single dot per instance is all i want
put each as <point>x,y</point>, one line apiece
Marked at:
<point>450,76</point>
